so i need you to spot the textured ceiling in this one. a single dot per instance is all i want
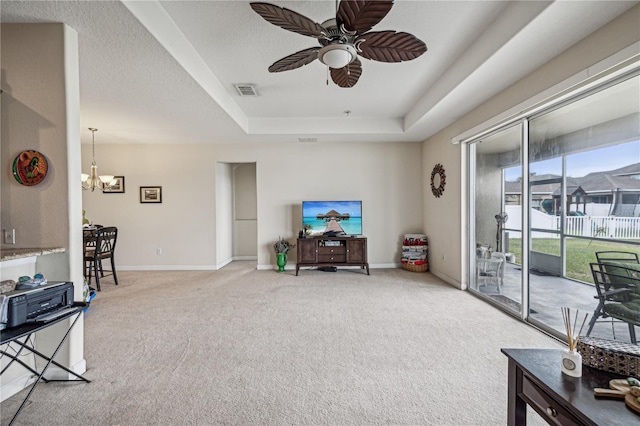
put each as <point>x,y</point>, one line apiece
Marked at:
<point>163,71</point>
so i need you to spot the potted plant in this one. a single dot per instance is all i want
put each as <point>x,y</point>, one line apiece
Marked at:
<point>281,247</point>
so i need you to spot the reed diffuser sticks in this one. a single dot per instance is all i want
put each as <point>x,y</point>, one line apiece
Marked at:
<point>572,337</point>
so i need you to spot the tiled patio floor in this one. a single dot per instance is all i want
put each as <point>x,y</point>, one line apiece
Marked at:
<point>548,294</point>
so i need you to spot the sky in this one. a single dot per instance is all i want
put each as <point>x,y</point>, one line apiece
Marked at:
<point>581,164</point>
<point>313,208</point>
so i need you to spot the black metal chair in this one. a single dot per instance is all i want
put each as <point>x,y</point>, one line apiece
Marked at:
<point>617,256</point>
<point>618,294</point>
<point>100,246</point>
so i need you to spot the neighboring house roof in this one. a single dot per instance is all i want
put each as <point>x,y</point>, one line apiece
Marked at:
<point>593,183</point>
<point>631,169</point>
<point>611,180</point>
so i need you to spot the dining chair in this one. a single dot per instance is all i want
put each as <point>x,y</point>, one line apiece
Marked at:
<point>99,247</point>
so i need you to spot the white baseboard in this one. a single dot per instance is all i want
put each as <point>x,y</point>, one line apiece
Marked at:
<point>267,267</point>
<point>57,373</point>
<point>384,265</point>
<point>28,378</point>
<point>168,268</point>
<point>224,263</point>
<point>291,267</point>
<point>16,385</point>
<point>184,267</point>
<point>447,279</point>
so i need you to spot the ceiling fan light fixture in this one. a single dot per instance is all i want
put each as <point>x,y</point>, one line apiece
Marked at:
<point>337,55</point>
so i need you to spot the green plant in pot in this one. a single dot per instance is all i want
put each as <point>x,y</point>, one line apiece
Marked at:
<point>85,221</point>
<point>281,247</point>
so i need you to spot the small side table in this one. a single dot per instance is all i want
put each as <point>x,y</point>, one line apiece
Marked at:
<point>12,335</point>
<point>536,379</point>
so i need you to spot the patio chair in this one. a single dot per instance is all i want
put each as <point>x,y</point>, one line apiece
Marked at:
<point>617,256</point>
<point>618,294</point>
<point>491,271</point>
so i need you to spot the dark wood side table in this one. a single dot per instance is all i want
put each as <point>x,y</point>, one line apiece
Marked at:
<point>535,378</point>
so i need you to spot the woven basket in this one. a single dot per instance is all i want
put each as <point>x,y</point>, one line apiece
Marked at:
<point>415,268</point>
<point>610,355</point>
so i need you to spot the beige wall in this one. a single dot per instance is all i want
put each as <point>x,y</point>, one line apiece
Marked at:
<point>386,177</point>
<point>40,111</point>
<point>33,117</point>
<point>444,218</point>
<point>245,212</point>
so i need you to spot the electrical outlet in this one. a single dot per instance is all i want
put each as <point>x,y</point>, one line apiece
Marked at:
<point>9,236</point>
<point>158,251</point>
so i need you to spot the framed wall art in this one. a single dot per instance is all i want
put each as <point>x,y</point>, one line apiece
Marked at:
<point>117,187</point>
<point>30,167</point>
<point>150,194</point>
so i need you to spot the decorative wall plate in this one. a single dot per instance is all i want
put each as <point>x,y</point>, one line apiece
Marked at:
<point>30,168</point>
<point>438,179</point>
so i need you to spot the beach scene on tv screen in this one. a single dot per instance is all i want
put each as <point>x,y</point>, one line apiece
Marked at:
<point>325,216</point>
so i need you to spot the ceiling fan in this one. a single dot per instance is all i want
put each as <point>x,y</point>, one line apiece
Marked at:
<point>343,38</point>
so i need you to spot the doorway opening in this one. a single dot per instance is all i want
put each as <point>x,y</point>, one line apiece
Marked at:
<point>236,213</point>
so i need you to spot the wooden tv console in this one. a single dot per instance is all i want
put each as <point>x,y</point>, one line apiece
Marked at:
<point>332,251</point>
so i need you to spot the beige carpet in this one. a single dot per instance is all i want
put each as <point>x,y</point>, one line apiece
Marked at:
<point>246,347</point>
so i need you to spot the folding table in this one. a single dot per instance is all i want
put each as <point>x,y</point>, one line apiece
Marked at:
<point>14,334</point>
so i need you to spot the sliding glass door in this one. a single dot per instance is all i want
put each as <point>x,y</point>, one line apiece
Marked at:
<point>548,191</point>
<point>497,229</point>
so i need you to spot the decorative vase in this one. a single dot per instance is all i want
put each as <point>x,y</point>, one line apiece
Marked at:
<point>281,261</point>
<point>571,363</point>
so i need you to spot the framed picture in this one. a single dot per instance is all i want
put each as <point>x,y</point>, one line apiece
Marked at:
<point>117,187</point>
<point>150,194</point>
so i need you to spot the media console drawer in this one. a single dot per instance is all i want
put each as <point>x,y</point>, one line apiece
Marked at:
<point>332,258</point>
<point>546,405</point>
<point>331,250</point>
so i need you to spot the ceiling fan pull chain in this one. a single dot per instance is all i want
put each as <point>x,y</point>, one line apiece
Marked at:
<point>327,76</point>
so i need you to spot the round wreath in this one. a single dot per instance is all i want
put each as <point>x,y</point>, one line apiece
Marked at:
<point>438,170</point>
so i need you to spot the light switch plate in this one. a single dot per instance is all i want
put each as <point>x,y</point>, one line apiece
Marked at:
<point>9,236</point>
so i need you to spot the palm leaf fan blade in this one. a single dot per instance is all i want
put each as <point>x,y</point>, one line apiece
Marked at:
<point>295,60</point>
<point>361,15</point>
<point>288,19</point>
<point>390,46</point>
<point>347,76</point>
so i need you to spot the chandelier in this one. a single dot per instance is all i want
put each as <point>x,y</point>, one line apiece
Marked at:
<point>92,180</point>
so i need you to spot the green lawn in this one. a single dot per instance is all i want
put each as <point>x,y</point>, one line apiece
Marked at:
<point>580,252</point>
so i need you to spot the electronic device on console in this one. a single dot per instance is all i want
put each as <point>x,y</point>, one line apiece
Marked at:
<point>38,304</point>
<point>333,234</point>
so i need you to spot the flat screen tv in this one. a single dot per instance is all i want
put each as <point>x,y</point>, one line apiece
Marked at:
<point>332,217</point>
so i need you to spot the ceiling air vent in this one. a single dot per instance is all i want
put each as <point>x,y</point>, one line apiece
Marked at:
<point>246,89</point>
<point>308,140</point>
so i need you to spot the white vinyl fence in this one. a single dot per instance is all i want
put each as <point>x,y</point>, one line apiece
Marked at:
<point>621,228</point>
